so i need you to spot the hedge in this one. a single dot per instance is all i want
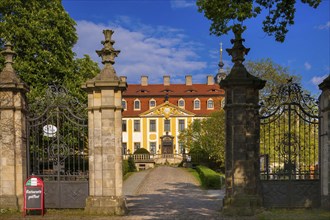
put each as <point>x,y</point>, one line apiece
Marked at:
<point>210,179</point>
<point>128,166</point>
<point>141,151</point>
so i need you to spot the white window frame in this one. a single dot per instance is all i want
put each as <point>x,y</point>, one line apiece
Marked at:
<point>167,127</point>
<point>124,107</point>
<point>122,125</point>
<point>184,103</point>
<point>155,130</point>
<point>152,100</point>
<point>184,124</point>
<point>210,100</point>
<point>199,104</point>
<point>155,150</point>
<point>136,109</point>
<point>139,129</point>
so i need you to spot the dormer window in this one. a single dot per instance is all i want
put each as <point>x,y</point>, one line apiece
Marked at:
<point>166,90</point>
<point>197,104</point>
<point>137,104</point>
<point>191,90</point>
<point>152,103</point>
<point>142,91</point>
<point>124,104</point>
<point>210,104</point>
<point>181,103</point>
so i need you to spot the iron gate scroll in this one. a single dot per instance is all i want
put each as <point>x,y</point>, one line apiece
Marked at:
<point>289,162</point>
<point>57,150</point>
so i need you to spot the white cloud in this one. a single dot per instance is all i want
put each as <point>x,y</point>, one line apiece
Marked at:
<point>307,65</point>
<point>183,3</point>
<point>316,80</point>
<point>324,27</point>
<point>152,51</point>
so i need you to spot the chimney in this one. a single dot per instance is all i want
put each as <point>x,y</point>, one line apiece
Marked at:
<point>166,80</point>
<point>188,80</point>
<point>210,80</point>
<point>144,80</point>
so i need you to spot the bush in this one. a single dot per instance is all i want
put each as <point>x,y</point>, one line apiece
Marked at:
<point>141,151</point>
<point>128,166</point>
<point>210,179</point>
<point>125,167</point>
<point>131,165</point>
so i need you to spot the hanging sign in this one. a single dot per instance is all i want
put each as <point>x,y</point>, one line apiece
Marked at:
<point>33,194</point>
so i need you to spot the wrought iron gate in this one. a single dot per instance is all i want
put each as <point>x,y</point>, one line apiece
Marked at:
<point>57,150</point>
<point>289,162</point>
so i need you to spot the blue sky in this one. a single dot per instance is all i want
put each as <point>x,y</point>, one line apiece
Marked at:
<point>170,37</point>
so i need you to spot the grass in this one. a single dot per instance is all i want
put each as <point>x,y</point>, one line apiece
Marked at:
<point>125,177</point>
<point>294,214</point>
<point>271,214</point>
<point>195,174</point>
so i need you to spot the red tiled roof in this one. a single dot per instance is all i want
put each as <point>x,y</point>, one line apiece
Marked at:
<point>175,91</point>
<point>137,90</point>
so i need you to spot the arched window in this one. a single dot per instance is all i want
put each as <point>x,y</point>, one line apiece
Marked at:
<point>197,104</point>
<point>124,104</point>
<point>152,103</point>
<point>181,103</point>
<point>137,104</point>
<point>223,102</point>
<point>210,104</point>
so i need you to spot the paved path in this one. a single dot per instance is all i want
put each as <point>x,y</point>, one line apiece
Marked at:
<point>170,193</point>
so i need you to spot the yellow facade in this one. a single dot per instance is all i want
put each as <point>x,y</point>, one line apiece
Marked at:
<point>153,139</point>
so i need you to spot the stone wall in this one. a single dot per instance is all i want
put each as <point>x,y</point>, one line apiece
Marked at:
<point>12,135</point>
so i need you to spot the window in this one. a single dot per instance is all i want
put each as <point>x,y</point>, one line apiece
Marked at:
<point>136,125</point>
<point>167,125</point>
<point>197,104</point>
<point>181,103</point>
<point>152,147</point>
<point>124,104</point>
<point>181,124</point>
<point>137,105</point>
<point>181,148</point>
<point>124,126</point>
<point>152,125</point>
<point>223,102</point>
<point>210,104</point>
<point>152,103</point>
<point>124,148</point>
<point>137,145</point>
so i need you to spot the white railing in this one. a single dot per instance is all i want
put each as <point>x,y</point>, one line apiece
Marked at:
<point>147,157</point>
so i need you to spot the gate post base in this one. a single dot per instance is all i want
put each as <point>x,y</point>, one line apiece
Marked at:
<point>106,205</point>
<point>325,202</point>
<point>8,202</point>
<point>242,205</point>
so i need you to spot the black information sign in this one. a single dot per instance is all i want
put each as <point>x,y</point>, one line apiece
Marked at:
<point>33,197</point>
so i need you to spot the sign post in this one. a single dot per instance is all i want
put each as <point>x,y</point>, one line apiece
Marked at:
<point>33,195</point>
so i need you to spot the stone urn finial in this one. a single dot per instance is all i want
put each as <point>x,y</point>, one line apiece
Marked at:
<point>9,54</point>
<point>8,74</point>
<point>108,54</point>
<point>238,51</point>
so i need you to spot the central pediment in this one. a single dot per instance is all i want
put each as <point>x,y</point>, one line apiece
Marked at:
<point>167,110</point>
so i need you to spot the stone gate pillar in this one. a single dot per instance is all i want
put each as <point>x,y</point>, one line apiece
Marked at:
<point>12,134</point>
<point>324,109</point>
<point>105,133</point>
<point>242,134</point>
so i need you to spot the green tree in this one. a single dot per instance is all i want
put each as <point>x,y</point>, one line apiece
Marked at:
<point>205,139</point>
<point>280,14</point>
<point>43,35</point>
<point>275,75</point>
